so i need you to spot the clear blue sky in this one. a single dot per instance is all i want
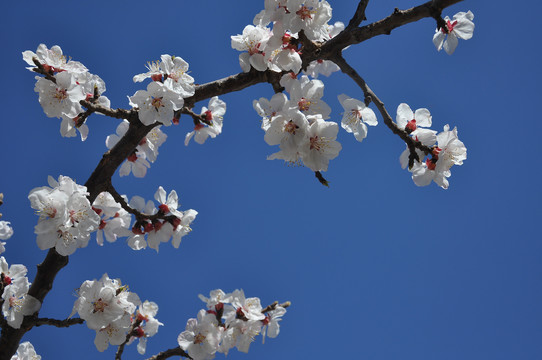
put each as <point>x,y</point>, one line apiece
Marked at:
<point>375,267</point>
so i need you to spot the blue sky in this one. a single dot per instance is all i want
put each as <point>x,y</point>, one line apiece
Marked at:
<point>375,267</point>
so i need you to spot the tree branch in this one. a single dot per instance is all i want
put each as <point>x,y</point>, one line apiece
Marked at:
<point>359,15</point>
<point>42,284</point>
<point>351,72</point>
<point>130,333</point>
<point>384,26</point>
<point>117,114</point>
<point>59,323</point>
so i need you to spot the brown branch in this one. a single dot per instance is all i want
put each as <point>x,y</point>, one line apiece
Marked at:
<point>117,114</point>
<point>351,72</point>
<point>383,27</point>
<point>169,353</point>
<point>139,215</point>
<point>59,323</point>
<point>42,284</point>
<point>359,15</point>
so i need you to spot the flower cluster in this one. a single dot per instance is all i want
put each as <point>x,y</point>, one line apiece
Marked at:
<point>113,312</point>
<point>15,302</point>
<point>147,150</point>
<point>356,117</point>
<point>66,83</point>
<point>66,218</point>
<point>460,27</point>
<point>231,320</point>
<point>278,49</point>
<point>298,125</point>
<point>165,94</point>
<point>161,223</point>
<point>446,149</point>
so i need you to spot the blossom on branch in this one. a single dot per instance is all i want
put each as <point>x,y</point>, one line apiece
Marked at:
<point>66,217</point>
<point>460,27</point>
<point>212,125</point>
<point>26,351</point>
<point>356,116</point>
<point>449,151</point>
<point>107,307</point>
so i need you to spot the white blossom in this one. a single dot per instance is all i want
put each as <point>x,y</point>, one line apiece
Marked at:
<point>356,117</point>
<point>461,27</point>
<point>26,351</point>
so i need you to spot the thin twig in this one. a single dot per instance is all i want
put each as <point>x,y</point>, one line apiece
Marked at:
<point>120,350</point>
<point>359,15</point>
<point>117,114</point>
<point>351,72</point>
<point>139,215</point>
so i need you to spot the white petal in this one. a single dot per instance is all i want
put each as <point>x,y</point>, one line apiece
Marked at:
<point>450,44</point>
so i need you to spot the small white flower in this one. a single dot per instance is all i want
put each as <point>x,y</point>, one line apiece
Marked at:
<point>53,60</point>
<point>460,27</point>
<point>356,116</point>
<point>321,146</point>
<point>214,116</point>
<point>26,351</point>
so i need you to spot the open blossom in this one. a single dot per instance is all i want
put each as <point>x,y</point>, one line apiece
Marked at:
<point>309,15</point>
<point>114,219</point>
<point>321,146</point>
<point>461,26</point>
<point>17,303</point>
<point>61,97</point>
<point>267,109</point>
<point>356,116</point>
<point>66,217</point>
<point>288,129</point>
<point>214,115</point>
<point>172,71</point>
<point>151,142</point>
<point>137,162</point>
<point>249,308</point>
<point>53,59</point>
<point>26,351</point>
<point>157,103</point>
<point>106,306</point>
<point>324,67</point>
<point>202,336</point>
<point>448,152</point>
<point>149,325</point>
<point>253,40</point>
<point>11,274</point>
<point>414,123</point>
<point>307,95</point>
<point>271,326</point>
